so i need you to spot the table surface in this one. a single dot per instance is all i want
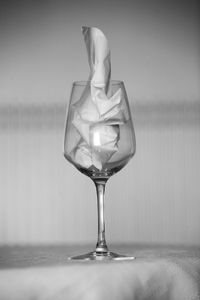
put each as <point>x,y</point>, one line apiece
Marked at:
<point>45,273</point>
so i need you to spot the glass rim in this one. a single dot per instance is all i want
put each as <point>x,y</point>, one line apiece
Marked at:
<point>84,82</point>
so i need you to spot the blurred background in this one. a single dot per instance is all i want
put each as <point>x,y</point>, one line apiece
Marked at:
<point>155,48</point>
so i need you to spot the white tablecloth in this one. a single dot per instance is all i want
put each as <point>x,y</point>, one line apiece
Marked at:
<point>44,273</point>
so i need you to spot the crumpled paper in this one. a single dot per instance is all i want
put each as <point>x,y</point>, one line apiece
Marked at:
<point>97,116</point>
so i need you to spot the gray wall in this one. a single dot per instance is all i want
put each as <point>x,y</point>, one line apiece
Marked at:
<point>155,50</point>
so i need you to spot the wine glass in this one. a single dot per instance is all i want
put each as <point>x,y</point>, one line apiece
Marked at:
<point>99,146</point>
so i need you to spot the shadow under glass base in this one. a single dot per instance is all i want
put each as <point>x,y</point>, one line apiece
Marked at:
<point>101,256</point>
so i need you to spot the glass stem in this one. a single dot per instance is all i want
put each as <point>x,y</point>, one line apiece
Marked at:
<point>101,246</point>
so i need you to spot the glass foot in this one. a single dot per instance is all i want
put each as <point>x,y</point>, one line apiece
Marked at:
<point>101,256</point>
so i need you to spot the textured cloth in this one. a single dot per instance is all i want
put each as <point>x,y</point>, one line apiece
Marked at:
<point>96,116</point>
<point>44,273</point>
